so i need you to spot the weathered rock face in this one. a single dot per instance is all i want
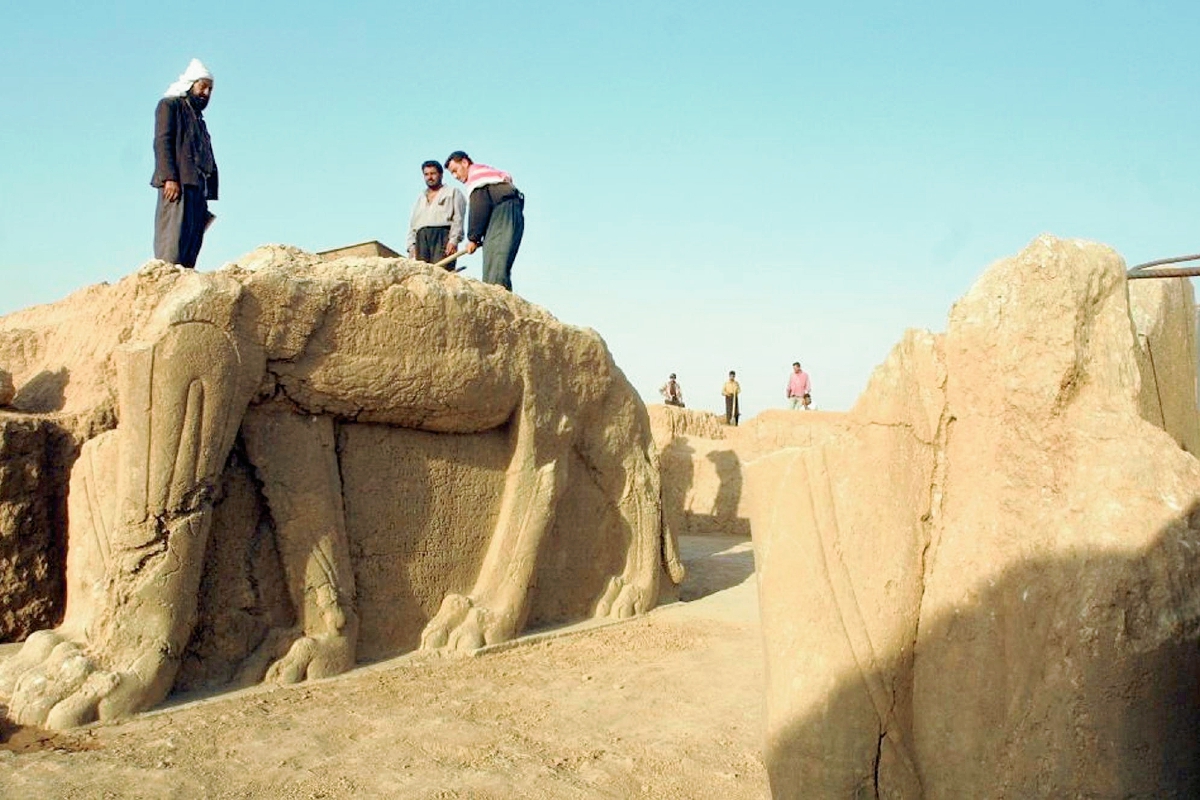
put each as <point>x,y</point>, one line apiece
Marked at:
<point>671,422</point>
<point>840,531</point>
<point>7,391</point>
<point>700,458</point>
<point>701,475</point>
<point>988,578</point>
<point>1164,314</point>
<point>776,429</point>
<point>35,455</point>
<point>319,462</point>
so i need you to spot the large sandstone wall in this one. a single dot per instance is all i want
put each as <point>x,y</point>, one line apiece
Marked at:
<point>702,487</point>
<point>412,539</point>
<point>701,460</point>
<point>1164,315</point>
<point>840,531</point>
<point>669,422</point>
<point>985,583</point>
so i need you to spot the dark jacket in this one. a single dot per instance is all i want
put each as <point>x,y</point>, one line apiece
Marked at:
<point>182,149</point>
<point>483,200</point>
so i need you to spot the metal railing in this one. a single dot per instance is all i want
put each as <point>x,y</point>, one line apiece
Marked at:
<point>1148,270</point>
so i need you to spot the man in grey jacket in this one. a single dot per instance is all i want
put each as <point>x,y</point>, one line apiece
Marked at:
<point>185,172</point>
<point>435,226</point>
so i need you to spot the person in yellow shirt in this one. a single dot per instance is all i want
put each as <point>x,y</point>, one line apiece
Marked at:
<point>731,390</point>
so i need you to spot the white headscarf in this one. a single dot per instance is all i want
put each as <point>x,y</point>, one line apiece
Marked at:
<point>195,72</point>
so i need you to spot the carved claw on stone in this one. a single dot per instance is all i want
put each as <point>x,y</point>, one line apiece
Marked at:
<point>621,600</point>
<point>53,683</point>
<point>462,625</point>
<point>33,653</point>
<point>313,657</point>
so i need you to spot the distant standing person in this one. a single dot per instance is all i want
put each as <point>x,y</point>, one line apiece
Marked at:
<point>798,388</point>
<point>731,390</point>
<point>497,219</point>
<point>435,226</point>
<point>672,394</point>
<point>185,172</point>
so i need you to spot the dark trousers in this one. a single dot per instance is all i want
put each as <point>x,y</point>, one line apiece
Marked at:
<point>431,245</point>
<point>502,240</point>
<point>179,227</point>
<point>731,409</point>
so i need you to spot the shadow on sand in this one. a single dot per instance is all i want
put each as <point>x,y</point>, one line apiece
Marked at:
<point>714,563</point>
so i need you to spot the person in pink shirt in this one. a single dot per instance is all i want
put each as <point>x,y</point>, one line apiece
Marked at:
<point>798,388</point>
<point>497,218</point>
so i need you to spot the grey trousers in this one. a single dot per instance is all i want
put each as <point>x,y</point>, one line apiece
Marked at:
<point>179,227</point>
<point>502,240</point>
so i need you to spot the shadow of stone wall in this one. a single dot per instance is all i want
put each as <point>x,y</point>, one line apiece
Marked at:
<point>43,393</point>
<point>1108,720</point>
<point>702,488</point>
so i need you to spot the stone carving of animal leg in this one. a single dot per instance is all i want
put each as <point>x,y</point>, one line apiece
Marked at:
<point>296,459</point>
<point>629,471</point>
<point>635,590</point>
<point>181,398</point>
<point>91,515</point>
<point>496,607</point>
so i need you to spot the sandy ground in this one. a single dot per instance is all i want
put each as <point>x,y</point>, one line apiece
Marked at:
<point>668,705</point>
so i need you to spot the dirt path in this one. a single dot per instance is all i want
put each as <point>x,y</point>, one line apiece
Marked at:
<point>664,706</point>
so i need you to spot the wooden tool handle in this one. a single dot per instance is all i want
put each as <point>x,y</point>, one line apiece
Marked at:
<point>456,255</point>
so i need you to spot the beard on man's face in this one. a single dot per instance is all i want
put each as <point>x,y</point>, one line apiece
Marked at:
<point>198,101</point>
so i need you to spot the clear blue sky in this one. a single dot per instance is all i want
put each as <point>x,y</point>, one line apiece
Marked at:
<point>710,186</point>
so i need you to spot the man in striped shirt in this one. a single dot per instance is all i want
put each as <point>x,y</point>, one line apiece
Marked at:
<point>497,220</point>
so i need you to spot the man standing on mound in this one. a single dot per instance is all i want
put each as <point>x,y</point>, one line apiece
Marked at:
<point>798,388</point>
<point>672,394</point>
<point>185,172</point>
<point>497,218</point>
<point>731,390</point>
<point>436,225</point>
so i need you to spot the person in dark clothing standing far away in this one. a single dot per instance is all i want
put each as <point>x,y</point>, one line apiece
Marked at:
<point>672,394</point>
<point>185,172</point>
<point>731,390</point>
<point>497,219</point>
<point>436,225</point>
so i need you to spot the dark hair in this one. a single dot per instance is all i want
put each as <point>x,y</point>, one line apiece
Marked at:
<point>732,373</point>
<point>458,155</point>
<point>433,164</point>
<point>672,376</point>
<point>795,363</point>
